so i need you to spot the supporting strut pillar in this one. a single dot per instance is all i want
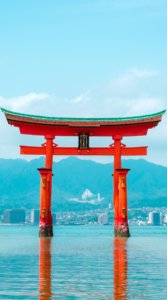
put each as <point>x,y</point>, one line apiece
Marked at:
<point>45,223</point>
<point>117,164</point>
<point>121,228</point>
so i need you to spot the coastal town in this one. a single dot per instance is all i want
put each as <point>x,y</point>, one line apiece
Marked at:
<point>137,217</point>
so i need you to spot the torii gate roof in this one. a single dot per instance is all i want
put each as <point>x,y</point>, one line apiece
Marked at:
<point>43,125</point>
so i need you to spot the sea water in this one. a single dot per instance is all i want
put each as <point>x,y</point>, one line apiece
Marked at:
<point>83,262</point>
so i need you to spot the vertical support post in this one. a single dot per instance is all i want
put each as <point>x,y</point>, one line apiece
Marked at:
<point>120,265</point>
<point>49,151</point>
<point>121,227</point>
<point>45,265</point>
<point>46,226</point>
<point>45,223</point>
<point>49,165</point>
<point>117,164</point>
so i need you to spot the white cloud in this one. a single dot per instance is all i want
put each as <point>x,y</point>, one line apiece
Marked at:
<point>142,73</point>
<point>84,97</point>
<point>132,75</point>
<point>141,105</point>
<point>127,84</point>
<point>22,102</point>
<point>131,93</point>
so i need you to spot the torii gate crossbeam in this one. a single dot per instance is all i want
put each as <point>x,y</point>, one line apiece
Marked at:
<point>73,151</point>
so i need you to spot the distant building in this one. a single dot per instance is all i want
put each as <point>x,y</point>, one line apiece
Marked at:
<point>154,218</point>
<point>165,218</point>
<point>87,195</point>
<point>14,216</point>
<point>103,219</point>
<point>54,218</point>
<point>34,218</point>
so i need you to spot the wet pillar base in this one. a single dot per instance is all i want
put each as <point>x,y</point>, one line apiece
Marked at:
<point>46,231</point>
<point>121,231</point>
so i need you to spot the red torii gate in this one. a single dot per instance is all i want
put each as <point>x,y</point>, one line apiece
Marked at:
<point>84,128</point>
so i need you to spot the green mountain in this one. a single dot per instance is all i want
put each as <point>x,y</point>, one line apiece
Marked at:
<point>19,186</point>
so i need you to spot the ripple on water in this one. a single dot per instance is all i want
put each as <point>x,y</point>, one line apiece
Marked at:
<point>83,263</point>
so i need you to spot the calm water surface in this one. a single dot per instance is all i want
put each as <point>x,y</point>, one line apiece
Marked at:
<point>83,262</point>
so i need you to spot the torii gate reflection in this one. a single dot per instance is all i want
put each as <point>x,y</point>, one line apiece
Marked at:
<point>84,128</point>
<point>120,269</point>
<point>45,269</point>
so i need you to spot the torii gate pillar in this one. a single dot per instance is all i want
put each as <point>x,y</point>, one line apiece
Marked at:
<point>121,228</point>
<point>45,222</point>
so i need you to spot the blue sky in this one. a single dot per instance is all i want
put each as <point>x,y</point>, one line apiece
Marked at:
<point>84,58</point>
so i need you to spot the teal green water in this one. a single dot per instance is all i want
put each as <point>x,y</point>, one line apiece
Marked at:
<point>83,262</point>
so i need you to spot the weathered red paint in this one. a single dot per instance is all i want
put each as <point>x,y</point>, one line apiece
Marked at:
<point>121,221</point>
<point>45,222</point>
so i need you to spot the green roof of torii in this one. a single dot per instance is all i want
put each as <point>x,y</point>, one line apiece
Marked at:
<point>47,118</point>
